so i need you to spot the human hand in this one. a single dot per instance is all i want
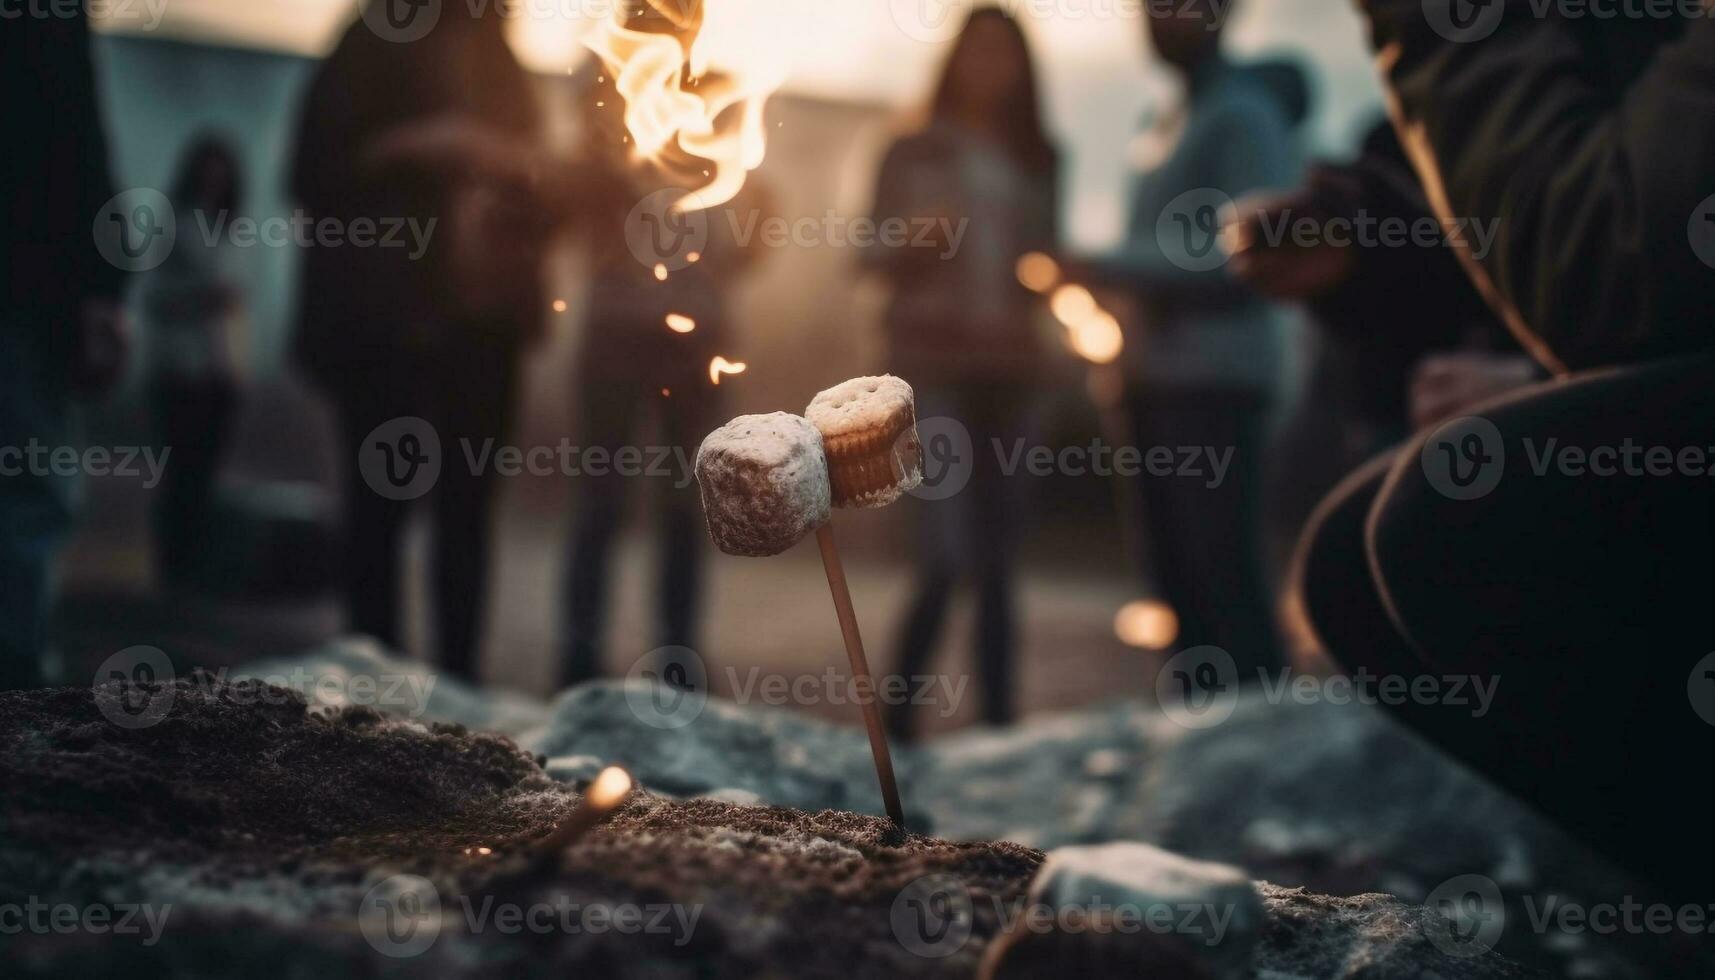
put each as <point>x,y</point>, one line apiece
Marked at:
<point>1257,233</point>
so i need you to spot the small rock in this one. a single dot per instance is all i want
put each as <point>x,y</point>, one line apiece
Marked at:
<point>1130,904</point>
<point>733,795</point>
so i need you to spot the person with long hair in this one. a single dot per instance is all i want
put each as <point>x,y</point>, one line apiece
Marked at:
<point>193,309</point>
<point>960,325</point>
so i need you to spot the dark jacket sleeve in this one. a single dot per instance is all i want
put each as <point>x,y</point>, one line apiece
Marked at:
<point>1594,183</point>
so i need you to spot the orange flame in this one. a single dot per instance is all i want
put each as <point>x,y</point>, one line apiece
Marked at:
<point>672,100</point>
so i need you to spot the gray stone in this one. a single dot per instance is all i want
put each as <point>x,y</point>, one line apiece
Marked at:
<point>1209,909</point>
<point>781,756</point>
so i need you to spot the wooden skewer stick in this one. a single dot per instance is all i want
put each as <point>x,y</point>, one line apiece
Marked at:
<point>860,673</point>
<point>610,788</point>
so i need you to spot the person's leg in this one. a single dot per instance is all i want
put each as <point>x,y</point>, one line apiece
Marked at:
<point>687,415</point>
<point>372,522</point>
<point>193,418</point>
<point>1581,581</point>
<point>35,507</point>
<point>1203,522</point>
<point>1160,555</point>
<point>1330,584</point>
<point>996,499</point>
<point>607,415</point>
<point>475,404</point>
<point>942,530</point>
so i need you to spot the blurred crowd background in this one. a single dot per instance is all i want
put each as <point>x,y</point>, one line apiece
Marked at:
<point>1091,619</point>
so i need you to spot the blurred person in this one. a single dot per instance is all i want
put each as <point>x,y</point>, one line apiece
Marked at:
<point>1368,263</point>
<point>61,330</point>
<point>443,131</point>
<point>193,313</point>
<point>1577,572</point>
<point>637,376</point>
<point>1204,357</point>
<point>960,326</point>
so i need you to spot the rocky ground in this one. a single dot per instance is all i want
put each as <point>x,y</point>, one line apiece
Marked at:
<point>295,841</point>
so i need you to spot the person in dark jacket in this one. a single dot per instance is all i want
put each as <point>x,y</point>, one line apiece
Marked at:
<point>1559,539</point>
<point>444,131</point>
<point>60,326</point>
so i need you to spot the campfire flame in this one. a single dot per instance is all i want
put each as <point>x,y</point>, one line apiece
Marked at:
<point>680,114</point>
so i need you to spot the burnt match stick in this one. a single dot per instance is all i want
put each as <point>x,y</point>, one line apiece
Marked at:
<point>860,673</point>
<point>611,787</point>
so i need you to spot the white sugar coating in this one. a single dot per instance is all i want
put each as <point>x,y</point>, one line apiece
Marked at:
<point>764,483</point>
<point>858,404</point>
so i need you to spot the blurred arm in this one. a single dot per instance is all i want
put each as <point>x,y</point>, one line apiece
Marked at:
<point>1238,147</point>
<point>1593,189</point>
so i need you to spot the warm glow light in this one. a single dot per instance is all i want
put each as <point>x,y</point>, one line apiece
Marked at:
<point>680,323</point>
<point>1097,339</point>
<point>1037,272</point>
<point>1072,304</point>
<point>1147,623</point>
<point>612,785</point>
<point>721,365</point>
<point>677,97</point>
<point>661,271</point>
<point>559,306</point>
<point>693,256</point>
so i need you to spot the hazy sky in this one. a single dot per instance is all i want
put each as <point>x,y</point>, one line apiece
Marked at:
<point>1098,74</point>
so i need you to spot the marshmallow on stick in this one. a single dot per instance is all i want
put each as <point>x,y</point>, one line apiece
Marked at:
<point>767,480</point>
<point>869,434</point>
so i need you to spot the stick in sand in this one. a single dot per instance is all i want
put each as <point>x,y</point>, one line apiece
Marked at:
<point>860,672</point>
<point>611,787</point>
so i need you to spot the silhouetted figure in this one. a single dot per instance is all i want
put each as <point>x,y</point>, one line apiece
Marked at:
<point>1204,359</point>
<point>960,330</point>
<point>638,377</point>
<point>60,326</point>
<point>442,129</point>
<point>1537,551</point>
<point>192,306</point>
